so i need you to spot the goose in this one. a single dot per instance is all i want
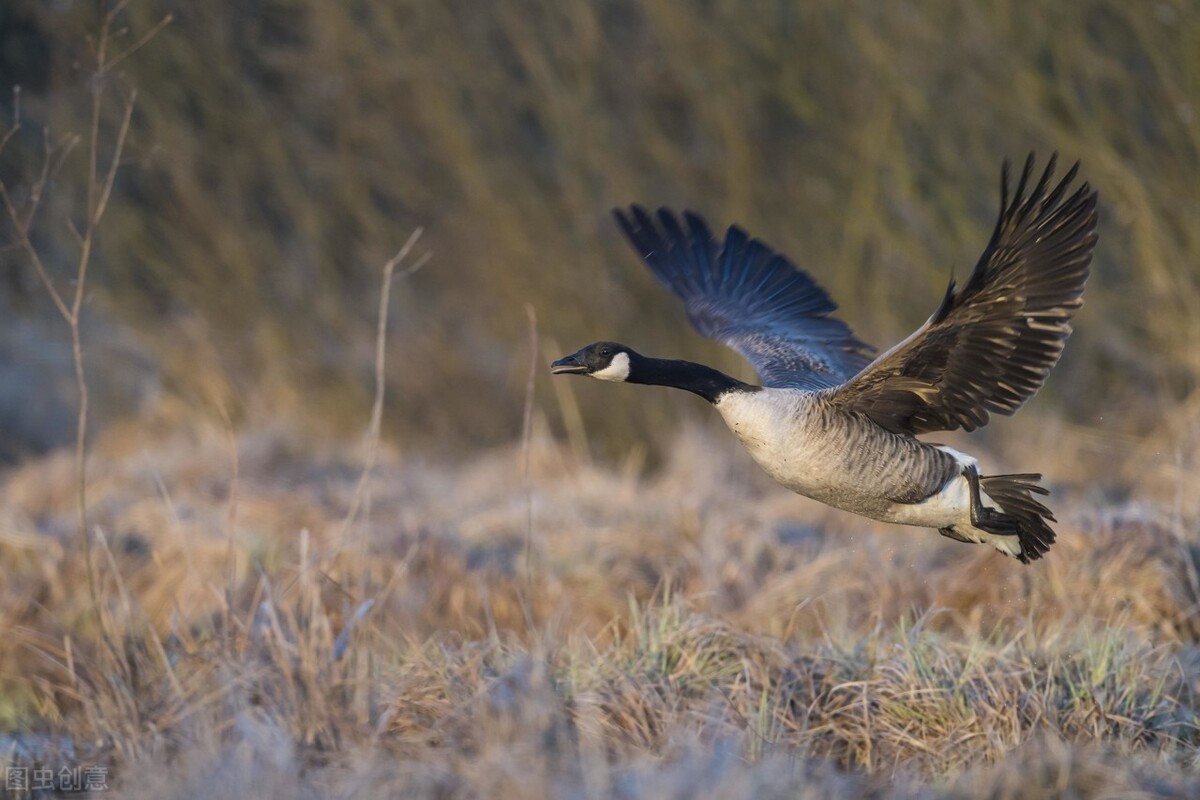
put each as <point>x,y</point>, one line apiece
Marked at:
<point>834,424</point>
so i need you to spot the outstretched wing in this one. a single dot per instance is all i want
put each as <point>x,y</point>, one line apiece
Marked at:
<point>743,294</point>
<point>988,347</point>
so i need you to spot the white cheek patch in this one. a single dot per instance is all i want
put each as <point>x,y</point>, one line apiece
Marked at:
<point>617,370</point>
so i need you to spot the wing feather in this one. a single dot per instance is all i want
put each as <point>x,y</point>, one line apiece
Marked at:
<point>988,348</point>
<point>743,294</point>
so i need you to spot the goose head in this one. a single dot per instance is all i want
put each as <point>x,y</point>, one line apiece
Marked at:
<point>606,361</point>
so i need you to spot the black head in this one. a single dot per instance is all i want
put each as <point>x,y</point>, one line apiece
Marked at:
<point>608,361</point>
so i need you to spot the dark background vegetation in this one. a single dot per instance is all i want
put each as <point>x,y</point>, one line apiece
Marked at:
<point>281,150</point>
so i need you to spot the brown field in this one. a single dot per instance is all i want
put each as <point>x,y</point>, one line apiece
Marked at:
<point>528,623</point>
<point>519,587</point>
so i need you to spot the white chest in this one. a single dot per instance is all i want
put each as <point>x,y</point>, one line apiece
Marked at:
<point>770,424</point>
<point>758,417</point>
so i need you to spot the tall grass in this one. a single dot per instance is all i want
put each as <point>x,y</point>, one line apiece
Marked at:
<point>285,147</point>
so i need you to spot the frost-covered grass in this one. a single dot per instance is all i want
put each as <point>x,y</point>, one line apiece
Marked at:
<point>591,631</point>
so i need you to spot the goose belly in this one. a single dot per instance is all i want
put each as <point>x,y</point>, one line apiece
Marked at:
<point>842,461</point>
<point>880,489</point>
<point>951,505</point>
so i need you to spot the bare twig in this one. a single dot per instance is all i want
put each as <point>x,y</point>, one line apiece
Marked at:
<point>99,190</point>
<point>360,496</point>
<point>133,48</point>
<point>98,197</point>
<point>16,126</point>
<point>23,225</point>
<point>231,525</point>
<point>526,436</point>
<point>110,178</point>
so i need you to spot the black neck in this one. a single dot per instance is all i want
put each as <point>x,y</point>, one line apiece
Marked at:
<point>696,378</point>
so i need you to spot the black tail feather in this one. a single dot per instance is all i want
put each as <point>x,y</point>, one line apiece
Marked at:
<point>1014,495</point>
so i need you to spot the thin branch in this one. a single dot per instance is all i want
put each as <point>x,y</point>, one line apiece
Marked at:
<point>94,139</point>
<point>231,522</point>
<point>157,29</point>
<point>420,262</point>
<point>526,441</point>
<point>39,186</point>
<point>81,454</point>
<point>16,126</point>
<point>99,190</point>
<point>110,178</point>
<point>34,256</point>
<point>50,167</point>
<point>75,234</point>
<point>98,195</point>
<point>111,16</point>
<point>373,428</point>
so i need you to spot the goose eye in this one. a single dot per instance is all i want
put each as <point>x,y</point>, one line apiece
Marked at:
<point>604,351</point>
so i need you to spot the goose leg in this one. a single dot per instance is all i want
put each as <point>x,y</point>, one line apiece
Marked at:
<point>950,533</point>
<point>982,517</point>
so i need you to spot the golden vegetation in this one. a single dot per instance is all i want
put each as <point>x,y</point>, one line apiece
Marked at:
<point>270,619</point>
<point>696,632</point>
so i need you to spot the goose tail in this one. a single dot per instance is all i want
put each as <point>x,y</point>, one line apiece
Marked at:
<point>1014,494</point>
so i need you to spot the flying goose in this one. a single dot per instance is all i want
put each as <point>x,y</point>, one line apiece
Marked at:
<point>832,424</point>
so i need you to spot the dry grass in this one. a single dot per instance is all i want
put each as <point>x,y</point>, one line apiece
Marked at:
<point>271,619</point>
<point>691,632</point>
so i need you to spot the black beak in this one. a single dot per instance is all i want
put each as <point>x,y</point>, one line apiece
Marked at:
<point>568,364</point>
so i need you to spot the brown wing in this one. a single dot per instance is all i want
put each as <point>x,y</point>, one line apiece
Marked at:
<point>988,347</point>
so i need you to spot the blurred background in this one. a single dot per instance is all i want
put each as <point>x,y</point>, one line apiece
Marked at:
<point>282,150</point>
<point>621,593</point>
